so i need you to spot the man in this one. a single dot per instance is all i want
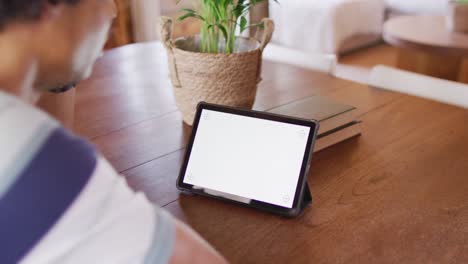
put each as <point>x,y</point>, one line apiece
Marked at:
<point>60,202</point>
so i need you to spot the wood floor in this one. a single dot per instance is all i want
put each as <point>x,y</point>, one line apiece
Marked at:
<point>371,56</point>
<point>356,66</point>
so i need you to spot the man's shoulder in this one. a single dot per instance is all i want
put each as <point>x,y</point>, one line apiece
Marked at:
<point>24,129</point>
<point>16,115</point>
<point>29,136</point>
<point>43,168</point>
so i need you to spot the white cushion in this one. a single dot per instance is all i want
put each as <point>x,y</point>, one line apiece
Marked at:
<point>313,61</point>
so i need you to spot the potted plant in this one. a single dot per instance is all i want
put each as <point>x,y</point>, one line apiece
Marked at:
<point>216,66</point>
<point>457,19</point>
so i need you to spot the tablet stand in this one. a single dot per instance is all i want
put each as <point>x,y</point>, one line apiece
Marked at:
<point>306,197</point>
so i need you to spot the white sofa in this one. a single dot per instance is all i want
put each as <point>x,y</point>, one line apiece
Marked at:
<point>339,26</point>
<point>327,26</point>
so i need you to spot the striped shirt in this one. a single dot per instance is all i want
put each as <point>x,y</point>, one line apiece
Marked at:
<point>61,202</point>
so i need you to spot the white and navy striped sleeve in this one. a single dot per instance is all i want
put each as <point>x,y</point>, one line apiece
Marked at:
<point>61,202</point>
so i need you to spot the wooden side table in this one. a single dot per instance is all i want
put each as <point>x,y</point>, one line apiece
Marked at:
<point>121,32</point>
<point>426,46</point>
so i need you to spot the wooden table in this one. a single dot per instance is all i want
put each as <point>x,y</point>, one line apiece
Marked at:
<point>398,194</point>
<point>426,46</point>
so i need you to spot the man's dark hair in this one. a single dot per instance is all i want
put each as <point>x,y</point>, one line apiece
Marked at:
<point>24,10</point>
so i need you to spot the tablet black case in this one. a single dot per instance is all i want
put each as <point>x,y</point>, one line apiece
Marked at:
<point>306,197</point>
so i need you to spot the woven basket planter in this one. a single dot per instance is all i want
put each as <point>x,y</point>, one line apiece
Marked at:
<point>226,79</point>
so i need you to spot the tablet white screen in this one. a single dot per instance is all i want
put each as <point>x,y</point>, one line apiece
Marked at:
<point>247,157</point>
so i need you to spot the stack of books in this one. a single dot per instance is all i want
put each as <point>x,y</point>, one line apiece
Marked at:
<point>338,122</point>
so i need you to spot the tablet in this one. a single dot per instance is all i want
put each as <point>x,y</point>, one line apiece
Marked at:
<point>256,159</point>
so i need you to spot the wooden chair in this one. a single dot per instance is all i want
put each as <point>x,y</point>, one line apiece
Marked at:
<point>444,91</point>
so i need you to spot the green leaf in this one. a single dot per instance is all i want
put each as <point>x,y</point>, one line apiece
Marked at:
<point>185,16</point>
<point>188,10</point>
<point>220,18</point>
<point>243,24</point>
<point>224,31</point>
<point>189,14</point>
<point>239,9</point>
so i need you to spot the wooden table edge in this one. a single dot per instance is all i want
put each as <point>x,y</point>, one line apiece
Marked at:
<point>401,42</point>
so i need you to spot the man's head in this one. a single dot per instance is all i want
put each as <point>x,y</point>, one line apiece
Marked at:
<point>67,36</point>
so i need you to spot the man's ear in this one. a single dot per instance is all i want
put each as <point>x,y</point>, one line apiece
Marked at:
<point>52,9</point>
<point>50,17</point>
